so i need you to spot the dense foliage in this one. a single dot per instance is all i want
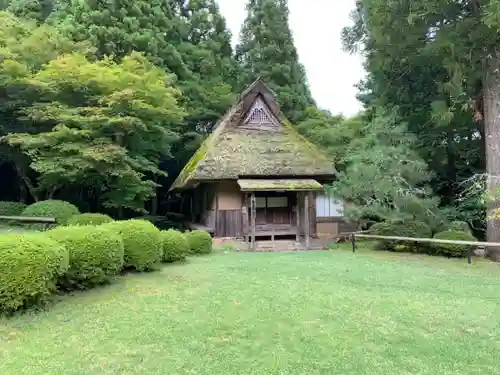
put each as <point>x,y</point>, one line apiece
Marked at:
<point>453,250</point>
<point>29,268</point>
<point>11,208</point>
<point>200,242</point>
<point>142,241</point>
<point>415,229</point>
<point>89,219</point>
<point>95,255</point>
<point>175,246</point>
<point>436,63</point>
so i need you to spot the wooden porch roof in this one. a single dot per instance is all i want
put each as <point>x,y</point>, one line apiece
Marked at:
<point>279,185</point>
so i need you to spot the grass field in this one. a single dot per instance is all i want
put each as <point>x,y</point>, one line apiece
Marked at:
<point>271,313</point>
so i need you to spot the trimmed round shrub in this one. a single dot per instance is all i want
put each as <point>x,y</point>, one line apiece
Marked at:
<point>453,250</point>
<point>413,229</point>
<point>175,246</point>
<point>89,219</point>
<point>143,243</point>
<point>200,242</point>
<point>11,208</point>
<point>460,226</point>
<point>95,255</point>
<point>30,265</point>
<point>60,210</point>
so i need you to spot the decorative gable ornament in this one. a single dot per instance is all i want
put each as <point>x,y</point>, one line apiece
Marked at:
<point>260,114</point>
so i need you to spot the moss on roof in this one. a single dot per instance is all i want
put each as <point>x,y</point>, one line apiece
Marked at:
<point>232,151</point>
<point>279,185</point>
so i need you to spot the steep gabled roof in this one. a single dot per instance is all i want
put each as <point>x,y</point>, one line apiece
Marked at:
<point>240,145</point>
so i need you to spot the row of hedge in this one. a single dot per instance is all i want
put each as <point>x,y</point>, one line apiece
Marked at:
<point>455,231</point>
<point>34,266</point>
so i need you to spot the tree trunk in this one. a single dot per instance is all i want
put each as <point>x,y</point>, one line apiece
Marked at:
<point>21,172</point>
<point>154,204</point>
<point>492,144</point>
<point>452,165</point>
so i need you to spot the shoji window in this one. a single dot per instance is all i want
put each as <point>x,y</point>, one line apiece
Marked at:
<point>327,206</point>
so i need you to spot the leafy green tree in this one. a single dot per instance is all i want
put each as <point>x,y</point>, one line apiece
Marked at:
<point>384,177</point>
<point>437,61</point>
<point>334,134</point>
<point>111,123</point>
<point>38,10</point>
<point>25,48</point>
<point>266,49</point>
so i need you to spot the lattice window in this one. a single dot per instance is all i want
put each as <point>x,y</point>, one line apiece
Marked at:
<point>259,114</point>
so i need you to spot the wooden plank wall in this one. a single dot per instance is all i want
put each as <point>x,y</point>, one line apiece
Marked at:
<point>229,223</point>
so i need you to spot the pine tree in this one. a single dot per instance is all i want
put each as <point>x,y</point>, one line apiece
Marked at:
<point>266,49</point>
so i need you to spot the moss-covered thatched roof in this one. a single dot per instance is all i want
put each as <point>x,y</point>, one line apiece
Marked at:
<point>233,151</point>
<point>280,185</point>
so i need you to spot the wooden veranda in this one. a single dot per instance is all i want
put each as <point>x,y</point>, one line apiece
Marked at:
<point>296,212</point>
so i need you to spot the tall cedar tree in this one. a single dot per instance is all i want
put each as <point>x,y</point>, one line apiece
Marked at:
<point>458,41</point>
<point>117,28</point>
<point>205,47</point>
<point>266,49</point>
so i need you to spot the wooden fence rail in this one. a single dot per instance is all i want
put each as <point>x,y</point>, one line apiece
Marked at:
<point>429,240</point>
<point>29,219</point>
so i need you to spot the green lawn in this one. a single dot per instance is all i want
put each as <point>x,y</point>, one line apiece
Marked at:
<point>271,313</point>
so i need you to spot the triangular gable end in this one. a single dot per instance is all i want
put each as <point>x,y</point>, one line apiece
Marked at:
<point>259,116</point>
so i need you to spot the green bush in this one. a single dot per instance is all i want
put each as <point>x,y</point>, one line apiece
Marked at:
<point>95,255</point>
<point>143,243</point>
<point>451,250</point>
<point>175,246</point>
<point>413,229</point>
<point>30,265</point>
<point>460,226</point>
<point>11,208</point>
<point>200,242</point>
<point>60,210</point>
<point>89,219</point>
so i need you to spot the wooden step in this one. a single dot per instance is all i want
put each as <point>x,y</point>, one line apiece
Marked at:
<point>280,245</point>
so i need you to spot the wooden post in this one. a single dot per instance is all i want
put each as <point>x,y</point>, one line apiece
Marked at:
<point>191,207</point>
<point>244,213</point>
<point>306,219</point>
<point>252,218</point>
<point>216,233</point>
<point>297,213</point>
